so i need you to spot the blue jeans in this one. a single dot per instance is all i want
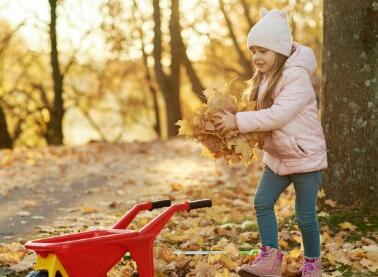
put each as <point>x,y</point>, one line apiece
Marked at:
<point>306,187</point>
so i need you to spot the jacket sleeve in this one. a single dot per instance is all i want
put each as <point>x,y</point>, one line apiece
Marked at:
<point>295,93</point>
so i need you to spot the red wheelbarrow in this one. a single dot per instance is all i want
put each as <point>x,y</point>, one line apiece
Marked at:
<point>94,253</point>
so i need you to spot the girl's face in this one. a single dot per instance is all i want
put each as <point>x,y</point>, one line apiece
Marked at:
<point>263,58</point>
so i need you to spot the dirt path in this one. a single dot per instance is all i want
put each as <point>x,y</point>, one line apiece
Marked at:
<point>40,188</point>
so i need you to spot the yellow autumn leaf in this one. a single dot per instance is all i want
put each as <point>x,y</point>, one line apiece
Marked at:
<point>176,237</point>
<point>323,214</point>
<point>207,153</point>
<point>232,250</point>
<point>185,128</point>
<point>358,253</point>
<point>347,226</point>
<point>243,148</point>
<point>321,193</point>
<point>372,256</point>
<point>369,264</point>
<point>357,265</point>
<point>283,243</point>
<point>257,155</point>
<point>164,253</point>
<point>230,264</point>
<point>10,258</point>
<point>331,258</point>
<point>176,186</point>
<point>212,259</point>
<point>88,210</point>
<point>142,221</point>
<point>198,240</point>
<point>295,253</point>
<point>326,236</point>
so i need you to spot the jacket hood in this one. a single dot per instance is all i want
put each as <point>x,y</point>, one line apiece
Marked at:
<point>302,56</point>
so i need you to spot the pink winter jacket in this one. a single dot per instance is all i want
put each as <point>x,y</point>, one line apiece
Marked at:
<point>297,143</point>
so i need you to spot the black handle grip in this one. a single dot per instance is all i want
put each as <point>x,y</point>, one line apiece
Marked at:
<point>200,204</point>
<point>160,204</point>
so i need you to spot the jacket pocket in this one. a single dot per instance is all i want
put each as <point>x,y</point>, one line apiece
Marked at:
<point>288,148</point>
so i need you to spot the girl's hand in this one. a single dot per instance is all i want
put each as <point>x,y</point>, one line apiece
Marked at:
<point>225,120</point>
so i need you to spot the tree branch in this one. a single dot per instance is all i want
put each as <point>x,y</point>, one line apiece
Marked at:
<point>242,59</point>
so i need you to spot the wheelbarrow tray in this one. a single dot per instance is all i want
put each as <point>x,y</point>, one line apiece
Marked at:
<point>91,252</point>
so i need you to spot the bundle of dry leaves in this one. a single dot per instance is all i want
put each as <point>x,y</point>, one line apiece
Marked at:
<point>232,145</point>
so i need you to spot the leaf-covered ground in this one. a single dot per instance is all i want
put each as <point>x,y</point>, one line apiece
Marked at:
<point>58,190</point>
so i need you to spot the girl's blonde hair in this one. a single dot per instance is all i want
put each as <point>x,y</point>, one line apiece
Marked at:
<point>253,84</point>
<point>250,93</point>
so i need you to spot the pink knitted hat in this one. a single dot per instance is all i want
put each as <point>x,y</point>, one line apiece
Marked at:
<point>272,31</point>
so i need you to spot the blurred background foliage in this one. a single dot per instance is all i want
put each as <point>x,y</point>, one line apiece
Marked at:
<point>124,69</point>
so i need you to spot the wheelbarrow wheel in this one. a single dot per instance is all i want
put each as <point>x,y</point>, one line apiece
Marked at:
<point>38,273</point>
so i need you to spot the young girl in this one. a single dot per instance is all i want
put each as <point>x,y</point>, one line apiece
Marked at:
<point>293,141</point>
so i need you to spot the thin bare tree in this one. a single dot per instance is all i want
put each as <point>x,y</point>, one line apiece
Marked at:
<point>54,133</point>
<point>243,60</point>
<point>169,83</point>
<point>150,82</point>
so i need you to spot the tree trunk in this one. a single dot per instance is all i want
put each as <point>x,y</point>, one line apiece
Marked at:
<point>174,109</point>
<point>169,84</point>
<point>54,126</point>
<point>349,109</point>
<point>5,138</point>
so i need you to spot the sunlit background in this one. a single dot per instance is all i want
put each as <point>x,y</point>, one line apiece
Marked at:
<point>107,94</point>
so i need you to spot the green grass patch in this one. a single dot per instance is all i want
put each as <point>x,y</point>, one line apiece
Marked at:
<point>364,225</point>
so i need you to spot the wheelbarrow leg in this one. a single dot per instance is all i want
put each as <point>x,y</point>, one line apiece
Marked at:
<point>142,254</point>
<point>52,264</point>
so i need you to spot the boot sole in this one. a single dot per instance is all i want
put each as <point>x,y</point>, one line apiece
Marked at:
<point>244,273</point>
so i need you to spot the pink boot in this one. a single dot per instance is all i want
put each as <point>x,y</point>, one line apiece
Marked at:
<point>267,264</point>
<point>311,267</point>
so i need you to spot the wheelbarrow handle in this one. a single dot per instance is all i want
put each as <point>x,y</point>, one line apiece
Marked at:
<point>160,204</point>
<point>132,213</point>
<point>203,203</point>
<point>155,225</point>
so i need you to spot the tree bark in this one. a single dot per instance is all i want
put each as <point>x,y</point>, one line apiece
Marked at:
<point>54,127</point>
<point>5,138</point>
<point>350,106</point>
<point>169,84</point>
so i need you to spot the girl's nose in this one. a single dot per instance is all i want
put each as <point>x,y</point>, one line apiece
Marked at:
<point>256,59</point>
<point>256,56</point>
